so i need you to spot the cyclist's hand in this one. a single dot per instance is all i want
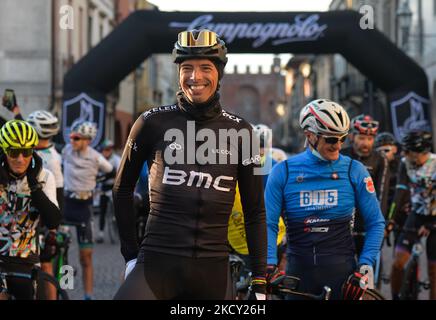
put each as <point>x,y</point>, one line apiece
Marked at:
<point>389,227</point>
<point>423,231</point>
<point>257,289</point>
<point>355,286</point>
<point>129,267</point>
<point>50,246</point>
<point>33,170</point>
<point>368,271</point>
<point>51,242</point>
<point>272,274</point>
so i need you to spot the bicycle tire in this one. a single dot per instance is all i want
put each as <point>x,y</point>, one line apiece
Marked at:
<point>373,294</point>
<point>409,286</point>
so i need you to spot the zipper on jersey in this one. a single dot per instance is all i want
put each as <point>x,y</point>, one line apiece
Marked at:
<point>314,255</point>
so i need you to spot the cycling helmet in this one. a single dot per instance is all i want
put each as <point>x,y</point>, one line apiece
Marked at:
<point>18,134</point>
<point>324,117</point>
<point>85,129</point>
<point>264,134</point>
<point>106,144</point>
<point>45,124</point>
<point>201,44</point>
<point>364,124</point>
<point>385,139</point>
<point>417,141</point>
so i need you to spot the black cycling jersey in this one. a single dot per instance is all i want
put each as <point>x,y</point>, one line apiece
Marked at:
<point>378,167</point>
<point>393,169</point>
<point>190,202</point>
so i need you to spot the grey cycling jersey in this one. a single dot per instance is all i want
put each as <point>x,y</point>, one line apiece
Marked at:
<point>81,168</point>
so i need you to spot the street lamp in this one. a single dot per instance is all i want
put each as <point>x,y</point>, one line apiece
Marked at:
<point>404,15</point>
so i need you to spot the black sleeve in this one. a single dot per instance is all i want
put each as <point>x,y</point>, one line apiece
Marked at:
<point>136,151</point>
<point>382,184</point>
<point>252,199</point>
<point>401,194</point>
<point>60,198</point>
<point>50,213</point>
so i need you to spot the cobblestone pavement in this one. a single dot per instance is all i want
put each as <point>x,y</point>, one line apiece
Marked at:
<point>108,269</point>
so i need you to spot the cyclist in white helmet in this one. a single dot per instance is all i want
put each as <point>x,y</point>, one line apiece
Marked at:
<point>319,190</point>
<point>81,166</point>
<point>47,126</point>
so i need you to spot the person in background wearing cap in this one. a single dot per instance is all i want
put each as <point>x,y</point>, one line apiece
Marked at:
<point>185,253</point>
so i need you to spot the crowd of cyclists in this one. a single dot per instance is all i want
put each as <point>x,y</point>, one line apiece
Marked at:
<point>320,215</point>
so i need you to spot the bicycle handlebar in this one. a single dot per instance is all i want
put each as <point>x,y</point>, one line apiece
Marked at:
<point>287,285</point>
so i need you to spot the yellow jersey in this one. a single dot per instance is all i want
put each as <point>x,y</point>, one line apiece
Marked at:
<point>236,231</point>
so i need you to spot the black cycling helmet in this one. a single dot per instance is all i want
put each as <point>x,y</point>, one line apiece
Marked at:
<point>385,139</point>
<point>417,141</point>
<point>201,44</point>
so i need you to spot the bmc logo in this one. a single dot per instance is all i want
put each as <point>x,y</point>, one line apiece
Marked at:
<point>205,180</point>
<point>318,198</point>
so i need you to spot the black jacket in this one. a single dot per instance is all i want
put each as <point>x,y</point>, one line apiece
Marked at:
<point>378,167</point>
<point>190,202</point>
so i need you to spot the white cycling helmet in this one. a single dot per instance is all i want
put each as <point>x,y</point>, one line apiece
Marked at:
<point>325,117</point>
<point>45,124</point>
<point>86,129</point>
<point>264,134</point>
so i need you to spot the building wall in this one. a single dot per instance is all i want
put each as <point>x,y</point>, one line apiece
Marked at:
<point>253,96</point>
<point>25,60</point>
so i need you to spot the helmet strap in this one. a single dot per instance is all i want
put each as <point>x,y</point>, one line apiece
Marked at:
<point>314,149</point>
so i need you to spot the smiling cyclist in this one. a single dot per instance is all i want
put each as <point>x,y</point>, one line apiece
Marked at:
<point>319,190</point>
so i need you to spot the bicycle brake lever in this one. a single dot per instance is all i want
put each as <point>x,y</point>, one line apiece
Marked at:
<point>327,293</point>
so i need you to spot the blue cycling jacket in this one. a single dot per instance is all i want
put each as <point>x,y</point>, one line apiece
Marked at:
<point>318,199</point>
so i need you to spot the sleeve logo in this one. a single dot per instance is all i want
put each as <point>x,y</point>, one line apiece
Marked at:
<point>369,185</point>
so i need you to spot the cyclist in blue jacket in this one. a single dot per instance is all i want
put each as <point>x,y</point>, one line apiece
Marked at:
<point>319,191</point>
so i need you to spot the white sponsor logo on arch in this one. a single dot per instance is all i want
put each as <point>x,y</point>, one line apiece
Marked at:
<point>303,28</point>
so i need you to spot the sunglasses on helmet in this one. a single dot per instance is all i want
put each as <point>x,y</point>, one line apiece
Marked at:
<point>367,127</point>
<point>205,38</point>
<point>15,152</point>
<point>335,139</point>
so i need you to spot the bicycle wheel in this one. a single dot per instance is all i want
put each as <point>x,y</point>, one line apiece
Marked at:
<point>372,294</point>
<point>410,286</point>
<point>61,294</point>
